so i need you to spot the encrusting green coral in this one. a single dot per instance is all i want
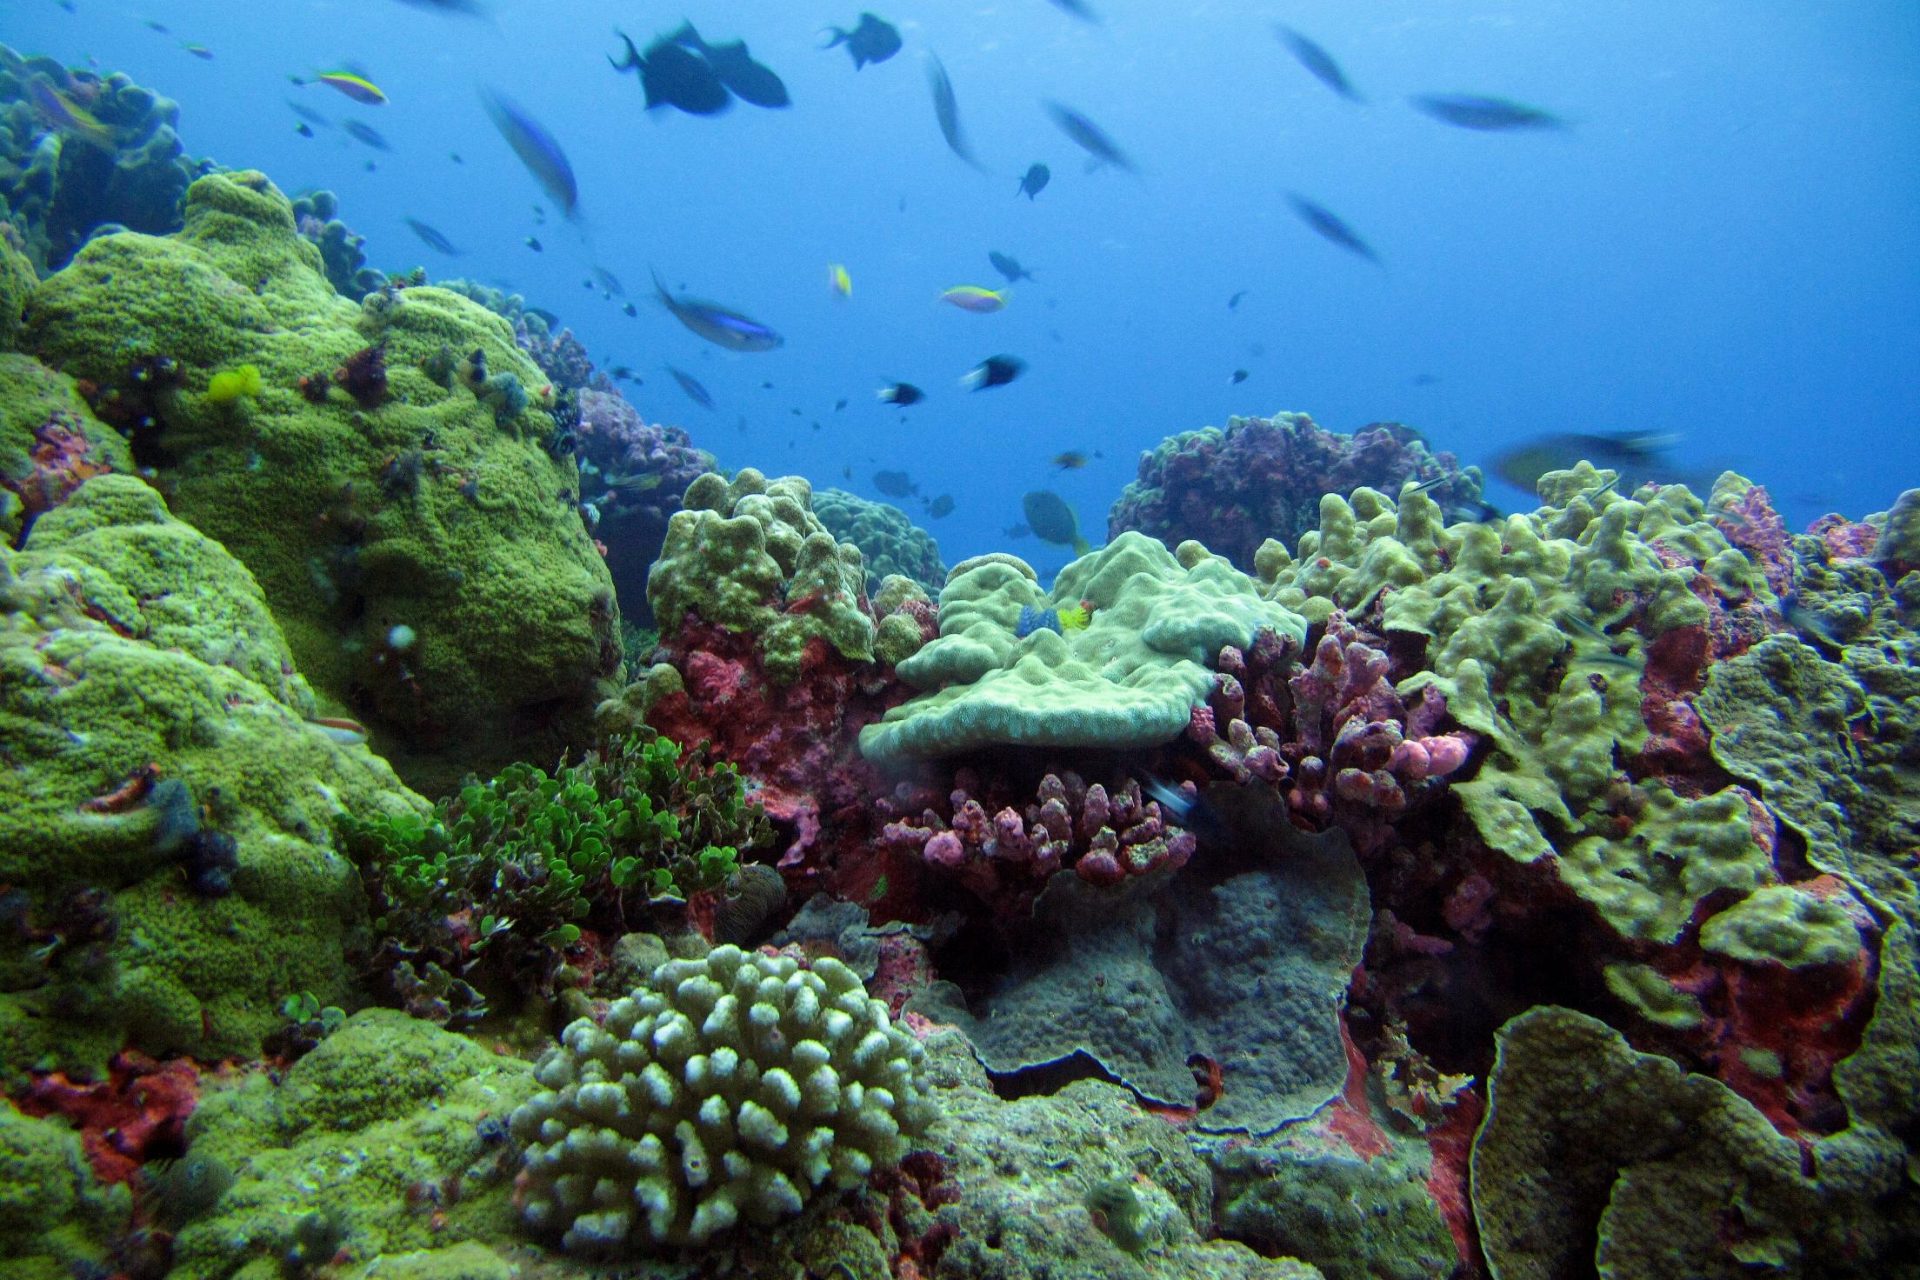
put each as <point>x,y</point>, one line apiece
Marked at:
<point>505,871</point>
<point>723,1092</point>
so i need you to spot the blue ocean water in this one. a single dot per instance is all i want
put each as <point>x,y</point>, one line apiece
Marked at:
<point>1724,242</point>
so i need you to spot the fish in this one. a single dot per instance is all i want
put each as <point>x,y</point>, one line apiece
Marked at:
<point>433,239</point>
<point>946,110</point>
<point>1239,376</point>
<point>674,76</point>
<point>1317,61</point>
<point>1424,379</point>
<point>610,282</point>
<point>839,281</point>
<point>629,310</point>
<point>361,131</point>
<point>304,129</point>
<point>307,113</point>
<point>623,374</point>
<point>1329,226</point>
<point>1008,266</point>
<point>901,393</point>
<point>717,324</point>
<point>547,317</point>
<point>1489,115</point>
<point>199,51</point>
<point>1233,303</point>
<point>994,371</point>
<point>534,245</point>
<point>941,507</point>
<point>1078,8</point>
<point>1071,460</point>
<point>1034,180</point>
<point>1016,531</point>
<point>455,157</point>
<point>348,733</point>
<point>691,385</point>
<point>459,8</point>
<point>352,83</point>
<point>65,116</point>
<point>895,484</point>
<point>1194,812</point>
<point>1089,136</point>
<point>975,298</point>
<point>537,149</point>
<point>872,39</point>
<point>1052,520</point>
<point>1591,646</point>
<point>751,82</point>
<point>153,24</point>
<point>1628,452</point>
<point>839,404</point>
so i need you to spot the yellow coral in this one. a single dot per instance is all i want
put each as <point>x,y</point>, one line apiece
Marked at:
<point>230,384</point>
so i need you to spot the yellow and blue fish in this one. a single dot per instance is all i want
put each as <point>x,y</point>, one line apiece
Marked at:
<point>839,281</point>
<point>351,83</point>
<point>974,298</point>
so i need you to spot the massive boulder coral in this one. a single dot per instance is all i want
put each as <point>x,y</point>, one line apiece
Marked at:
<point>887,538</point>
<point>167,799</point>
<point>418,541</point>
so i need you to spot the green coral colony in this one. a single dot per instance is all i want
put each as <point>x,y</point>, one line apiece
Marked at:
<point>1519,897</point>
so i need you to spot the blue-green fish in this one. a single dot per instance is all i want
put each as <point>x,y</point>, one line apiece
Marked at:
<point>1330,227</point>
<point>1090,136</point>
<point>432,237</point>
<point>1473,111</point>
<point>717,324</point>
<point>1317,61</point>
<point>946,109</point>
<point>536,148</point>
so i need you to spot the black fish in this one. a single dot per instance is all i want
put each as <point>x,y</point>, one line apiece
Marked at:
<point>901,393</point>
<point>895,484</point>
<point>1008,266</point>
<point>1078,8</point>
<point>1034,180</point>
<point>1239,376</point>
<point>1316,60</point>
<point>432,238</point>
<point>366,133</point>
<point>1089,136</point>
<point>1328,225</point>
<point>871,40</point>
<point>622,373</point>
<point>630,310</point>
<point>941,507</point>
<point>691,385</point>
<point>672,76</point>
<point>839,404</point>
<point>749,81</point>
<point>1472,111</point>
<point>995,371</point>
<point>1631,453</point>
<point>1233,303</point>
<point>947,110</point>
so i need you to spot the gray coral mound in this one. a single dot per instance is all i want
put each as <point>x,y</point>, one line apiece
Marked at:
<point>725,1090</point>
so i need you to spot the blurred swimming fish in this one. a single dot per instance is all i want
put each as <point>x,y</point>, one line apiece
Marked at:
<point>352,83</point>
<point>975,298</point>
<point>1034,180</point>
<point>304,129</point>
<point>1239,376</point>
<point>839,281</point>
<point>629,310</point>
<point>895,484</point>
<point>941,507</point>
<point>534,245</point>
<point>994,371</point>
<point>1071,460</point>
<point>433,239</point>
<point>1233,303</point>
<point>946,110</point>
<point>691,385</point>
<point>153,24</point>
<point>1489,115</point>
<point>537,149</point>
<point>1317,61</point>
<point>1628,452</point>
<point>1052,520</point>
<point>308,113</point>
<point>748,80</point>
<point>199,51</point>
<point>1016,531</point>
<point>674,76</point>
<point>460,8</point>
<point>1078,8</point>
<point>1330,227</point>
<point>65,116</point>
<point>610,282</point>
<point>1009,266</point>
<point>901,393</point>
<point>871,40</point>
<point>361,131</point>
<point>719,325</point>
<point>1089,136</point>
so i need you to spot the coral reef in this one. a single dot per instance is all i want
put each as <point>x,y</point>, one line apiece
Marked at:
<point>418,514</point>
<point>1263,478</point>
<point>50,443</point>
<point>633,474</point>
<point>316,216</point>
<point>887,537</point>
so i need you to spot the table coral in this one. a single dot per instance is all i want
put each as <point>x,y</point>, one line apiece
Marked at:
<point>427,512</point>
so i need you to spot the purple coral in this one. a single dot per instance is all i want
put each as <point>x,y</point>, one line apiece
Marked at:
<point>562,358</point>
<point>1263,478</point>
<point>634,474</point>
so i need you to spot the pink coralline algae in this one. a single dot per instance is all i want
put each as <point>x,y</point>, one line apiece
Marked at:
<point>1750,523</point>
<point>61,460</point>
<point>1105,835</point>
<point>1263,478</point>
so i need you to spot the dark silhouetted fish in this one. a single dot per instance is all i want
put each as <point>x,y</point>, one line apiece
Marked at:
<point>717,324</point>
<point>691,385</point>
<point>534,244</point>
<point>941,507</point>
<point>609,281</point>
<point>872,40</point>
<point>1078,8</point>
<point>1316,60</point>
<point>1631,453</point>
<point>750,81</point>
<point>536,148</point>
<point>1089,136</point>
<point>304,129</point>
<point>1328,225</point>
<point>1233,303</point>
<point>1016,531</point>
<point>895,484</point>
<point>308,113</point>
<point>361,131</point>
<point>1489,115</point>
<point>1034,180</point>
<point>432,238</point>
<point>901,393</point>
<point>947,110</point>
<point>460,8</point>
<point>1052,520</point>
<point>1008,266</point>
<point>673,76</point>
<point>994,371</point>
<point>1239,376</point>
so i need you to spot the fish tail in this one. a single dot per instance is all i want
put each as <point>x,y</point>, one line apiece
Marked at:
<point>1081,546</point>
<point>633,54</point>
<point>839,36</point>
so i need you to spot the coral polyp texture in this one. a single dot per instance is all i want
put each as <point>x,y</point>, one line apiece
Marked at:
<point>886,536</point>
<point>723,1093</point>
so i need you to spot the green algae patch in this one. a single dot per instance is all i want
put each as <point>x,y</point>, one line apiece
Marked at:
<point>1646,991</point>
<point>1130,678</point>
<point>138,660</point>
<point>364,494</point>
<point>55,1219</point>
<point>1783,925</point>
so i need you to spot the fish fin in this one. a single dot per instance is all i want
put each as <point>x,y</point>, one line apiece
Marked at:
<point>839,37</point>
<point>1082,547</point>
<point>687,37</point>
<point>633,55</point>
